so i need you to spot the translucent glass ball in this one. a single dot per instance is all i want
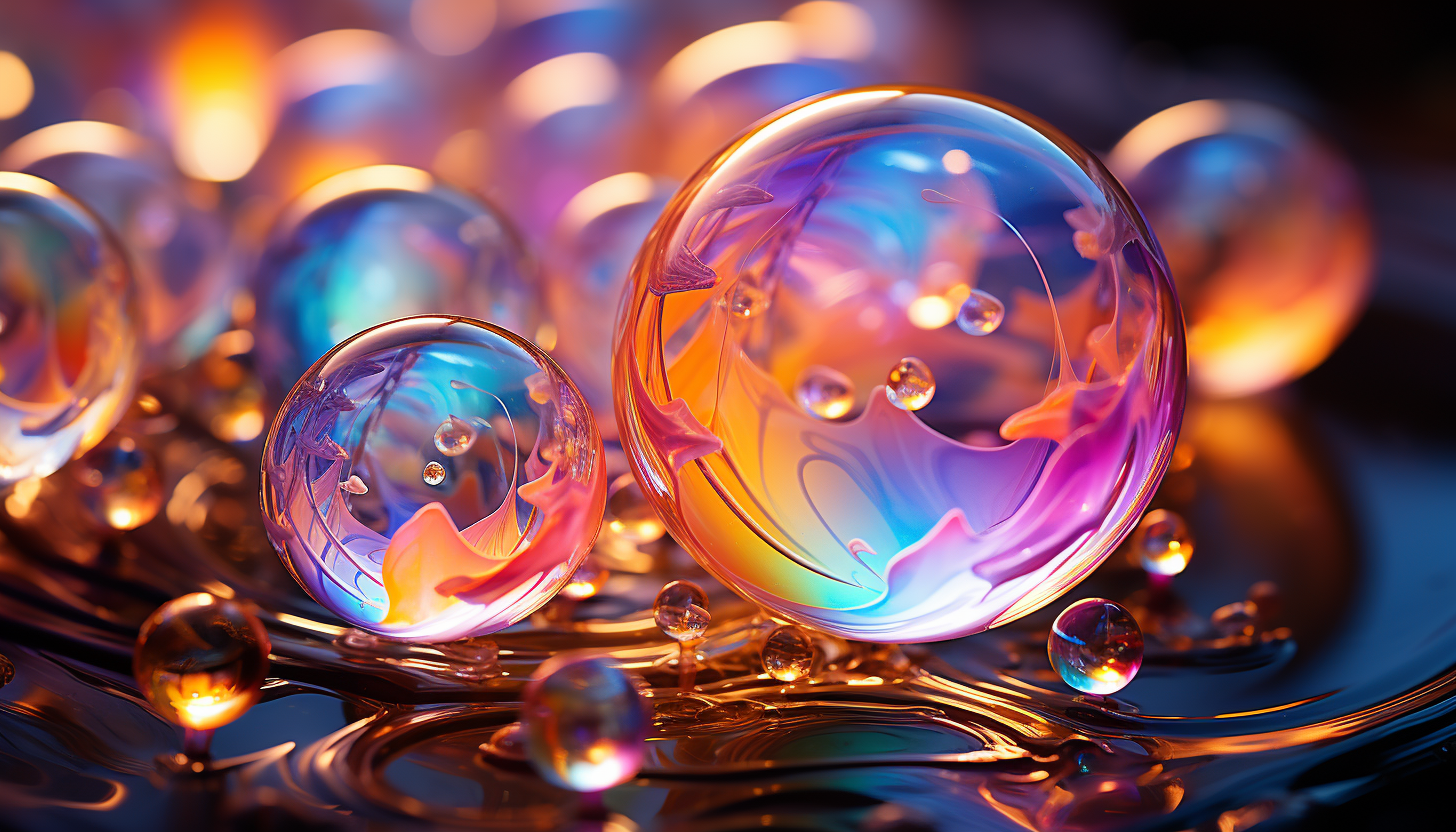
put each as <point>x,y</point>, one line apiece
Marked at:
<point>433,478</point>
<point>1266,229</point>
<point>177,244</point>
<point>378,243</point>
<point>1096,646</point>
<point>201,660</point>
<point>948,471</point>
<point>70,341</point>
<point>585,723</point>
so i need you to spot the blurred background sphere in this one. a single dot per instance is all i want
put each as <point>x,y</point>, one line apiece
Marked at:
<point>70,336</point>
<point>379,243</point>
<point>1266,232</point>
<point>175,239</point>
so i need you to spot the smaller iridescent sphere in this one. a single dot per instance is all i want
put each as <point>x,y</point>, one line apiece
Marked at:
<point>70,340</point>
<point>406,539</point>
<point>119,483</point>
<point>1096,646</point>
<point>585,724</point>
<point>379,243</point>
<point>201,660</point>
<point>681,611</point>
<point>177,243</point>
<point>788,654</point>
<point>1162,543</point>
<point>1267,235</point>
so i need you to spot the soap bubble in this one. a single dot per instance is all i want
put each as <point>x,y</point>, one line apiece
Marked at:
<point>1096,646</point>
<point>681,611</point>
<point>201,660</point>
<point>1162,543</point>
<point>176,242</point>
<point>788,654</point>
<point>70,341</point>
<point>374,244</point>
<point>119,482</point>
<point>1267,233</point>
<point>585,724</point>
<point>438,547</point>
<point>863,240</point>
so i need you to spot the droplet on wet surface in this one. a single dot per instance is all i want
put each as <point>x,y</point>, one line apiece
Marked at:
<point>824,392</point>
<point>981,314</point>
<point>200,660</point>
<point>585,724</point>
<point>1096,646</point>
<point>454,436</point>
<point>788,654</point>
<point>1162,543</point>
<point>434,473</point>
<point>910,385</point>
<point>747,300</point>
<point>354,485</point>
<point>681,611</point>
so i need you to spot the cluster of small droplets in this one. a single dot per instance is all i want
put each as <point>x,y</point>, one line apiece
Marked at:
<point>454,436</point>
<point>981,314</point>
<point>1096,646</point>
<point>825,392</point>
<point>681,611</point>
<point>788,654</point>
<point>910,385</point>
<point>1162,543</point>
<point>434,473</point>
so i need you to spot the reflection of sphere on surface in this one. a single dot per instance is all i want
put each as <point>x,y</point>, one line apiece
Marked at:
<point>177,247</point>
<point>403,540</point>
<point>201,660</point>
<point>1162,543</point>
<point>788,654</point>
<point>681,611</point>
<point>376,244</point>
<point>1265,231</point>
<point>588,262</point>
<point>585,724</point>
<point>1096,646</point>
<point>853,229</point>
<point>119,483</point>
<point>69,338</point>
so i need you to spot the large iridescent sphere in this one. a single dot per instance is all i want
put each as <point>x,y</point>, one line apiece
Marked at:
<point>379,243</point>
<point>1266,232</point>
<point>433,478</point>
<point>847,233</point>
<point>178,246</point>
<point>201,660</point>
<point>70,341</point>
<point>585,723</point>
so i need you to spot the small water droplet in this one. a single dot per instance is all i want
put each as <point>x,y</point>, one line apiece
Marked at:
<point>681,611</point>
<point>201,660</point>
<point>981,314</point>
<point>788,654</point>
<point>629,514</point>
<point>1096,646</point>
<point>434,473</point>
<point>748,300</point>
<point>824,392</point>
<point>354,485</point>
<point>1162,543</point>
<point>454,436</point>
<point>1236,619</point>
<point>586,581</point>
<point>910,386</point>
<point>507,743</point>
